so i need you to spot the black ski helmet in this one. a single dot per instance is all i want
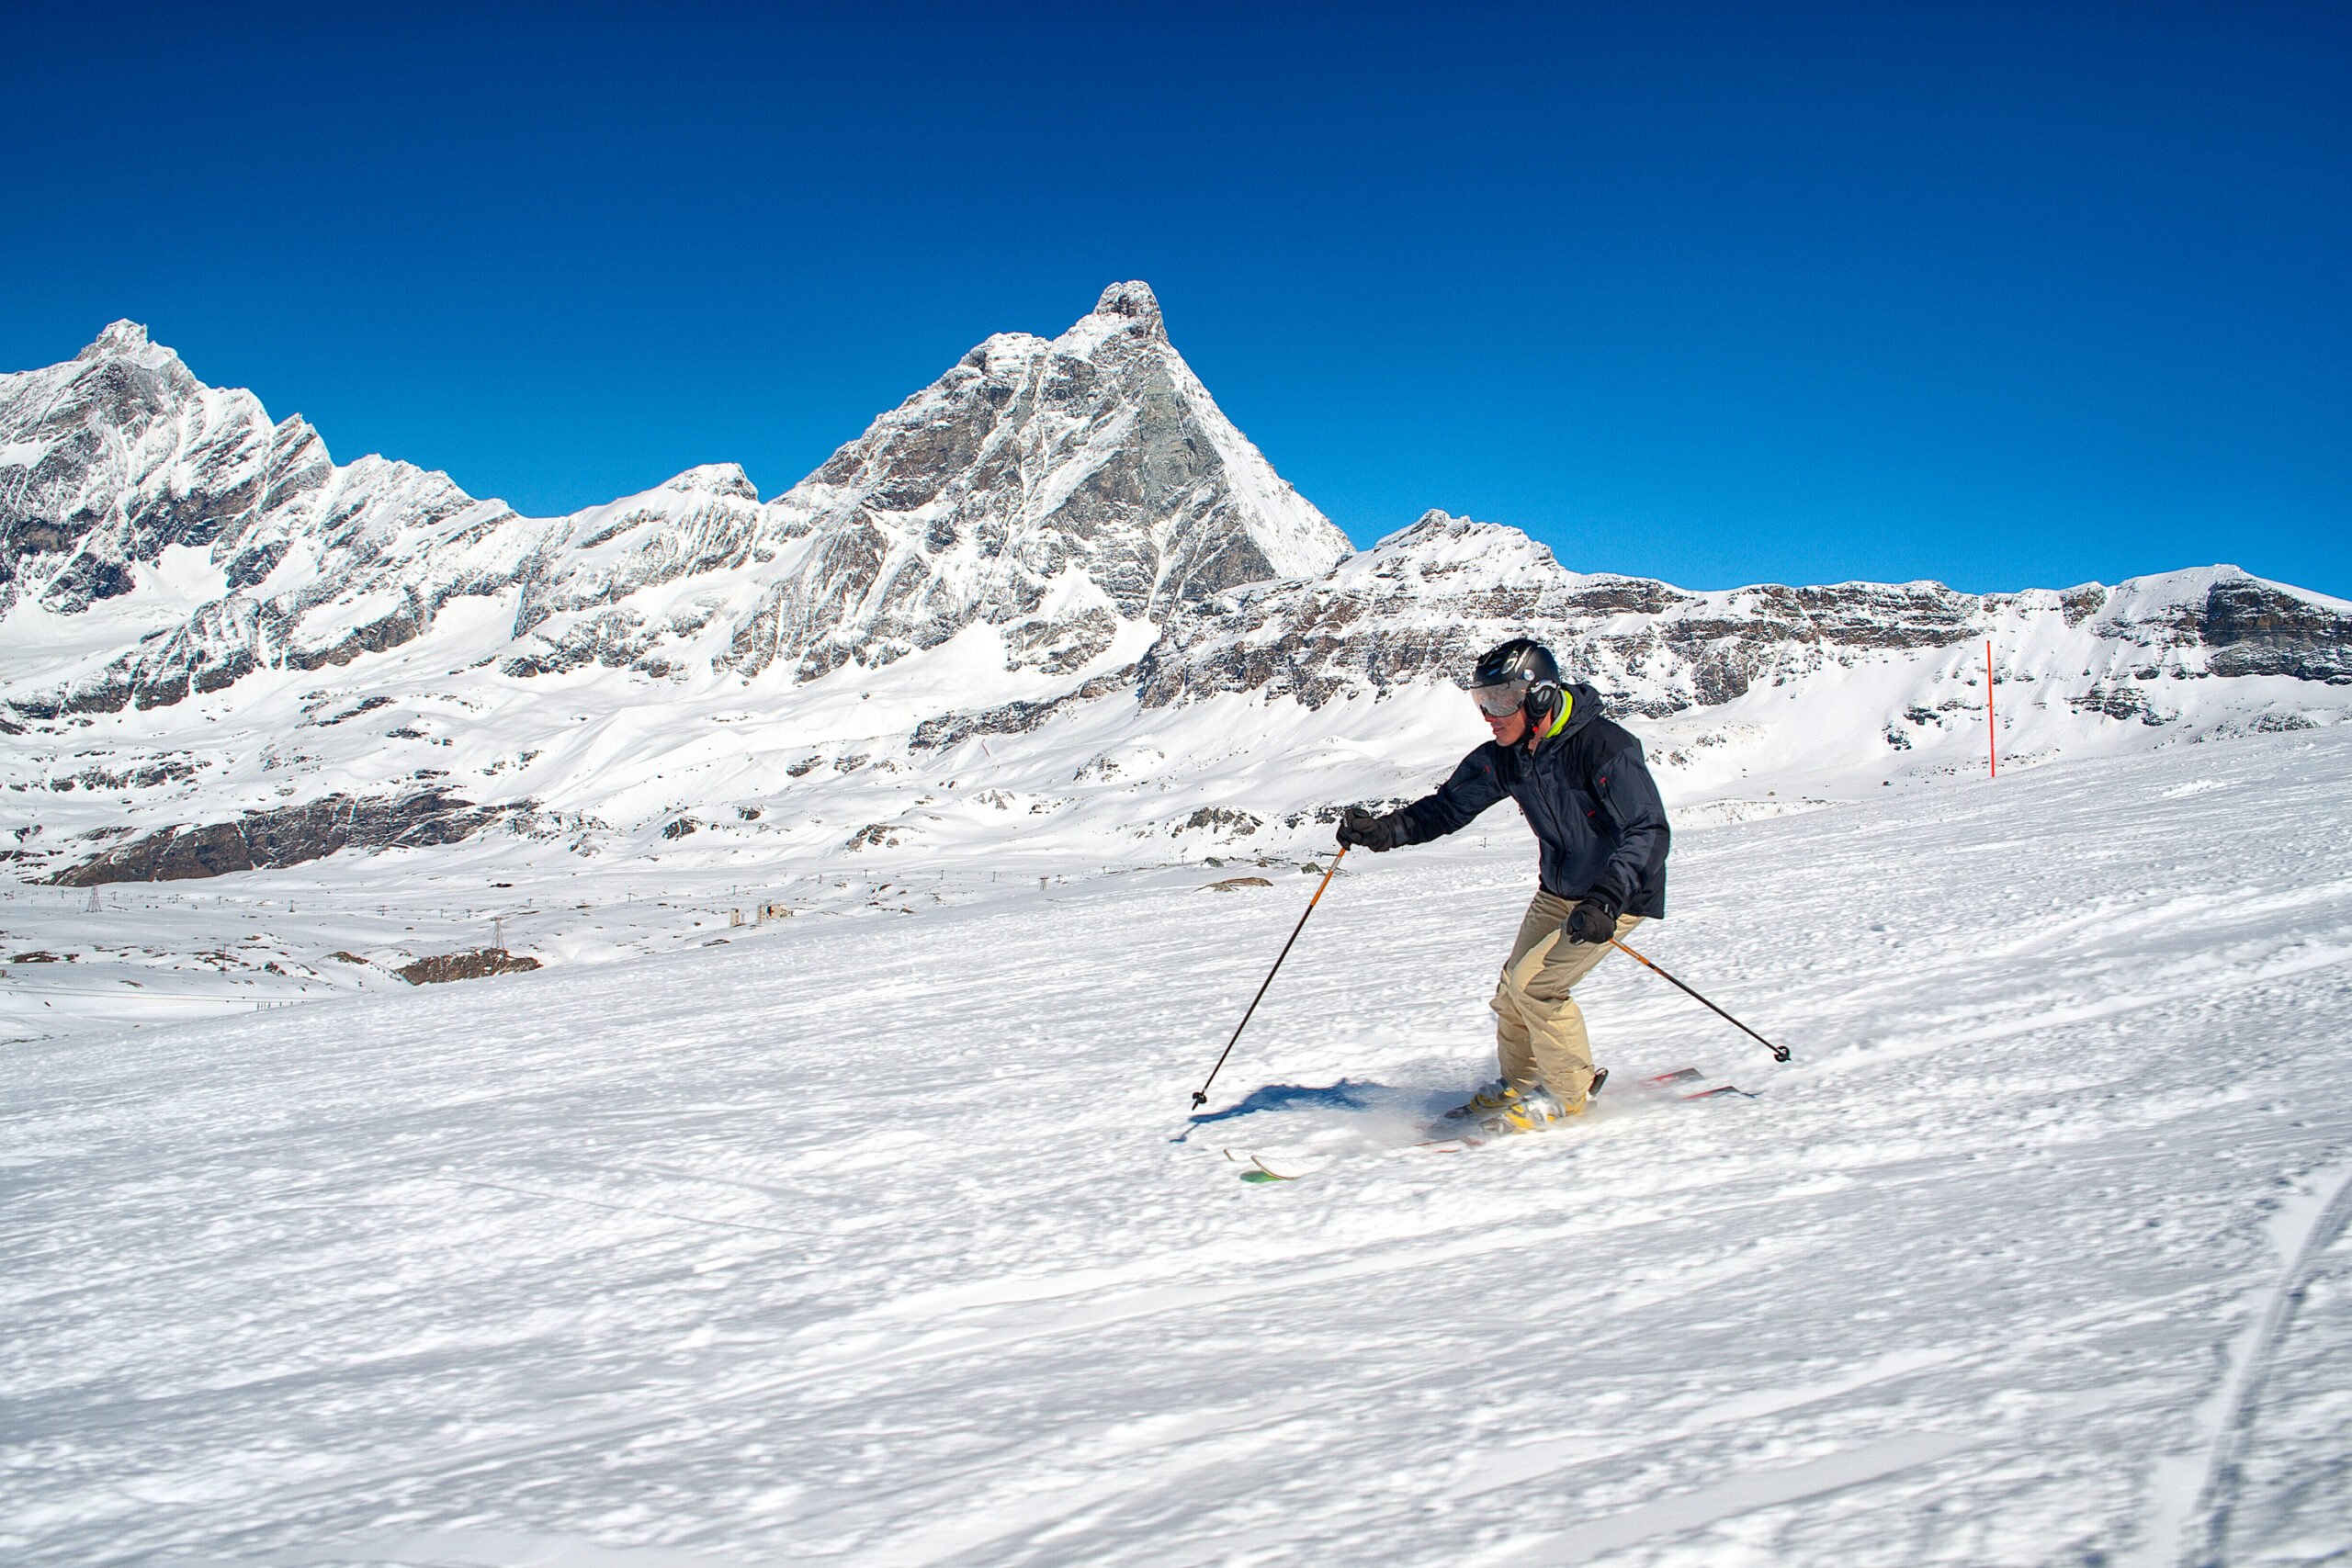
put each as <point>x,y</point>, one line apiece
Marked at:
<point>1521,669</point>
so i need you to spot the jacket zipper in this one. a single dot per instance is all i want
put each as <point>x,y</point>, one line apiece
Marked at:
<point>1536,791</point>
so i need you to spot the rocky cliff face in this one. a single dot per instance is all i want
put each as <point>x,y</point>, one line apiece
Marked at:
<point>111,458</point>
<point>1422,604</point>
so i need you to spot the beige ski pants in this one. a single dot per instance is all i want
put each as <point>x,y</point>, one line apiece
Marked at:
<point>1539,1029</point>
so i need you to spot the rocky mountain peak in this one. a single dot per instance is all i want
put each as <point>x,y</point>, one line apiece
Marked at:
<point>715,479</point>
<point>102,458</point>
<point>1437,533</point>
<point>1136,303</point>
<point>124,338</point>
<point>1097,453</point>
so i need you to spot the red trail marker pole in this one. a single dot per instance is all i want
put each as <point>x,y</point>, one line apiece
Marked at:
<point>1992,741</point>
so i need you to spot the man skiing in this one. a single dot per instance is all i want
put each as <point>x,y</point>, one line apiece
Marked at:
<point>1586,791</point>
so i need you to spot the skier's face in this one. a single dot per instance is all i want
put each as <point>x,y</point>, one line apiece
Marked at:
<point>1509,729</point>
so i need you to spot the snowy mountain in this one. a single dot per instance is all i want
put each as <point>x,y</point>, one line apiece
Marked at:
<point>1423,602</point>
<point>1052,490</point>
<point>1886,680</point>
<point>1059,574</point>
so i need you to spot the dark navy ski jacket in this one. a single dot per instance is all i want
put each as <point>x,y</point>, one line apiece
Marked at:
<point>1587,795</point>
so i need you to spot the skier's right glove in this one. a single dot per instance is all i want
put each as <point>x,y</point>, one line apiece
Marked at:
<point>1593,921</point>
<point>1359,827</point>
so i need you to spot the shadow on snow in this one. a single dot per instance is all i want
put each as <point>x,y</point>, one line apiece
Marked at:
<point>1345,1095</point>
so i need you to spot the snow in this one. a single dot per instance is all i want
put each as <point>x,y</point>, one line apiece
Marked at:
<point>180,581</point>
<point>2142,596</point>
<point>881,1236</point>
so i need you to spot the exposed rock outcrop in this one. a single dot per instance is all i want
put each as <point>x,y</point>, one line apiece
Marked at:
<point>480,965</point>
<point>2256,628</point>
<point>262,840</point>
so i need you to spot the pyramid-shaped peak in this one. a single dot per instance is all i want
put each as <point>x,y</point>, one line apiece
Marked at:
<point>1135,302</point>
<point>120,338</point>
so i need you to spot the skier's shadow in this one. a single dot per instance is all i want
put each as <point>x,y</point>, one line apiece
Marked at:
<point>1345,1095</point>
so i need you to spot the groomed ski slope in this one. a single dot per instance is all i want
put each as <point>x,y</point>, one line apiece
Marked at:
<point>867,1242</point>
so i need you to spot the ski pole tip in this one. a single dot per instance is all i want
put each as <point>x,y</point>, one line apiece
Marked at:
<point>1200,1098</point>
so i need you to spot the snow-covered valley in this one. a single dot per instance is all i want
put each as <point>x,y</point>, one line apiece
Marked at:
<point>885,1237</point>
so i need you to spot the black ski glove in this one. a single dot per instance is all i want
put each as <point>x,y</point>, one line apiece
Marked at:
<point>1358,826</point>
<point>1594,920</point>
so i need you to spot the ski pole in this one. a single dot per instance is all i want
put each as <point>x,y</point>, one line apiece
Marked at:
<point>1780,1053</point>
<point>1201,1095</point>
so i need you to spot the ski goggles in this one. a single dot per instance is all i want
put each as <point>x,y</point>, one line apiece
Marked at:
<point>1498,702</point>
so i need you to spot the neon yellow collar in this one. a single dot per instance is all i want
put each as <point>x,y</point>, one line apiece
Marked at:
<point>1567,706</point>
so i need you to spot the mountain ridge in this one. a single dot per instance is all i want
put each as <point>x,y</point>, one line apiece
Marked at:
<point>1028,569</point>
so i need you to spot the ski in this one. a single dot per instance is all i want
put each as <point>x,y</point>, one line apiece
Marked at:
<point>1688,1075</point>
<point>1454,1144</point>
<point>1259,1169</point>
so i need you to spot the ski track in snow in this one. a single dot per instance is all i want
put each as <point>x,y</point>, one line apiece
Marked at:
<point>890,1243</point>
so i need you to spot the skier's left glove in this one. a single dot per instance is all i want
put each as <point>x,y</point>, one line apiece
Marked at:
<point>1594,920</point>
<point>1377,834</point>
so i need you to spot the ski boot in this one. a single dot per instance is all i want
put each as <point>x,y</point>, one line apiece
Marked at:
<point>1491,1098</point>
<point>1532,1109</point>
<point>1501,1095</point>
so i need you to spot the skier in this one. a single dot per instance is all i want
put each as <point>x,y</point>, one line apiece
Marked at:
<point>1581,781</point>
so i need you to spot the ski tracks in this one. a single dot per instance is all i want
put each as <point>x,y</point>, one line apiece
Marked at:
<point>2322,1223</point>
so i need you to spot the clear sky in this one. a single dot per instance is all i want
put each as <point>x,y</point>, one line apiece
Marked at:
<point>2004,295</point>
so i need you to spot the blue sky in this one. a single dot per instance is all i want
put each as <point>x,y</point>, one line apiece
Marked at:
<point>2003,295</point>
